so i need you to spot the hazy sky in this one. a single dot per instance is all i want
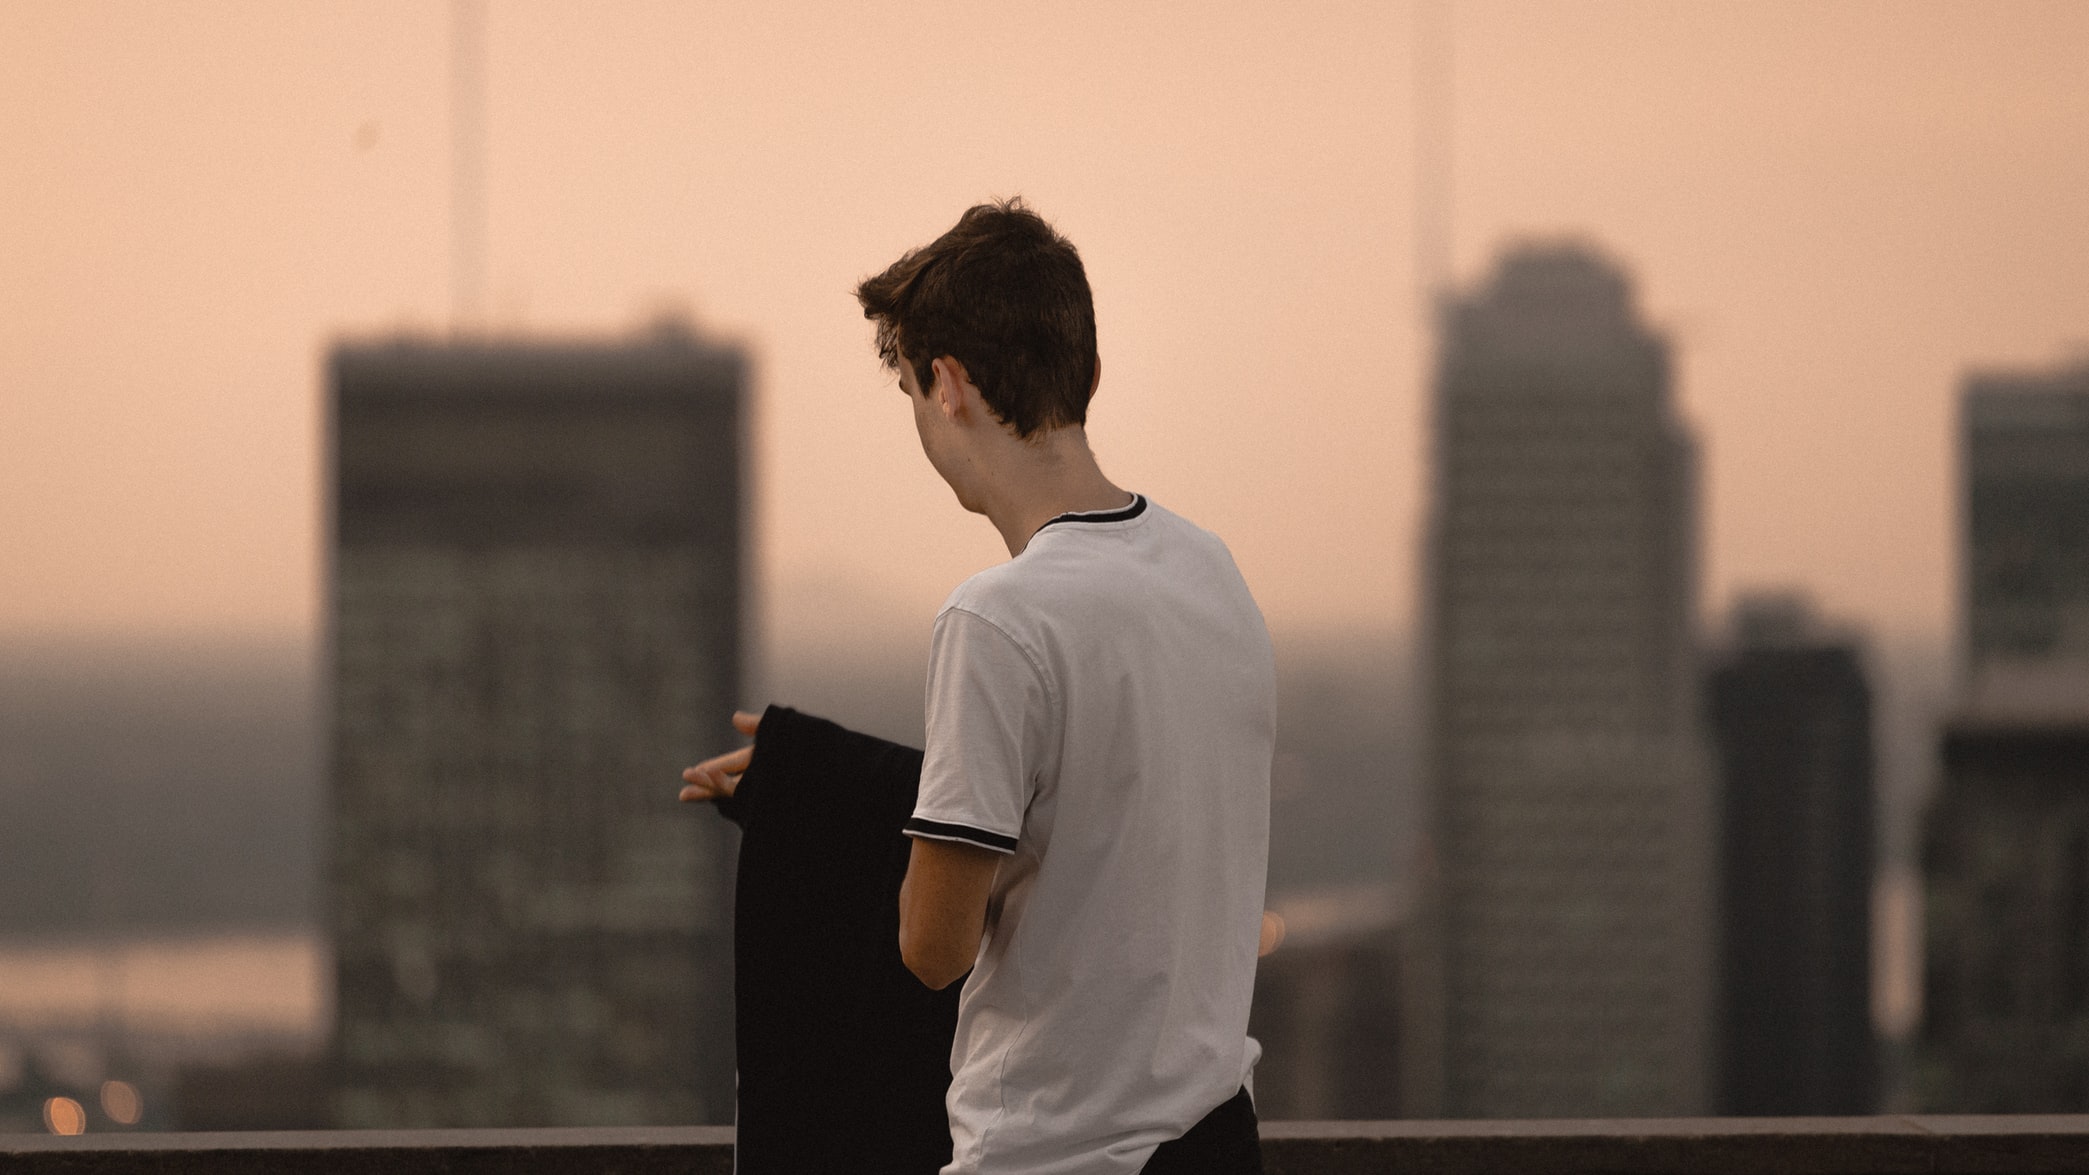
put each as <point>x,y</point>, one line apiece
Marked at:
<point>1834,209</point>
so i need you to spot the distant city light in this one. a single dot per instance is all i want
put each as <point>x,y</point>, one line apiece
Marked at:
<point>121,1101</point>
<point>63,1115</point>
<point>1272,934</point>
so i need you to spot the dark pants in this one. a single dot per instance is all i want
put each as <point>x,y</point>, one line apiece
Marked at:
<point>1225,1142</point>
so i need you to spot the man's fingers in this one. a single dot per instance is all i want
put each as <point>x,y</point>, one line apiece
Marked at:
<point>711,778</point>
<point>717,776</point>
<point>730,763</point>
<point>720,774</point>
<point>708,785</point>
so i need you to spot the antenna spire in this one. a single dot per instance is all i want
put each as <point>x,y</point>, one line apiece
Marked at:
<point>1434,41</point>
<point>467,163</point>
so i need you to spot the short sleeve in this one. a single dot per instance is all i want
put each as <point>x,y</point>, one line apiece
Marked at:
<point>987,707</point>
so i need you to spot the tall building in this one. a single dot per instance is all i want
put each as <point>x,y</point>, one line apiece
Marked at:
<point>1790,714</point>
<point>1326,1005</point>
<point>1572,850</point>
<point>2005,1003</point>
<point>2005,1024</point>
<point>2024,451</point>
<point>535,616</point>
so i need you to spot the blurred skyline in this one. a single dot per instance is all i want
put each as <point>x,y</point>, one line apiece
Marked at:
<point>1836,210</point>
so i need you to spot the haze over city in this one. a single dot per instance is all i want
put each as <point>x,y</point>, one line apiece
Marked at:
<point>1831,214</point>
<point>1835,210</point>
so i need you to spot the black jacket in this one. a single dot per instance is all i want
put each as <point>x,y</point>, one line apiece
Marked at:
<point>844,1056</point>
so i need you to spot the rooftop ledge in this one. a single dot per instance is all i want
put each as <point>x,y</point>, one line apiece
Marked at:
<point>1696,1146</point>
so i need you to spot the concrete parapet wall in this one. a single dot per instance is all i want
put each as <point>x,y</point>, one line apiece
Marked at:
<point>676,1150</point>
<point>1682,1146</point>
<point>1676,1146</point>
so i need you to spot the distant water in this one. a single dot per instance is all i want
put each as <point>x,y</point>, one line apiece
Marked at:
<point>273,984</point>
<point>148,790</point>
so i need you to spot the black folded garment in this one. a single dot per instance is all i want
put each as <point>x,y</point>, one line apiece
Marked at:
<point>844,1056</point>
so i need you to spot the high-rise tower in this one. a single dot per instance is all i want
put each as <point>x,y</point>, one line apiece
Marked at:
<point>535,615</point>
<point>2006,842</point>
<point>2024,448</point>
<point>1790,717</point>
<point>1572,850</point>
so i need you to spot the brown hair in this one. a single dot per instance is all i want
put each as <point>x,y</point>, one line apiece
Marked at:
<point>1005,295</point>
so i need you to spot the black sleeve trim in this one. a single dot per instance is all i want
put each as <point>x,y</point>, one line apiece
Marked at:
<point>938,830</point>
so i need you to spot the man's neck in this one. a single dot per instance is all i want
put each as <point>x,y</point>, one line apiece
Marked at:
<point>1040,479</point>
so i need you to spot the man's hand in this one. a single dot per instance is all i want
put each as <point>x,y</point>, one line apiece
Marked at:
<point>720,776</point>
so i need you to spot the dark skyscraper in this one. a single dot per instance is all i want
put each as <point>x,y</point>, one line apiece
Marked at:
<point>2005,1025</point>
<point>2006,847</point>
<point>1791,722</point>
<point>535,615</point>
<point>2024,448</point>
<point>1572,901</point>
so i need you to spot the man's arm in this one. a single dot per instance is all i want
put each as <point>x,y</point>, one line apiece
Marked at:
<point>942,908</point>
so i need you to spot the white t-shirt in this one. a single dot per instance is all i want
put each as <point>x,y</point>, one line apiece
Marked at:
<point>1102,709</point>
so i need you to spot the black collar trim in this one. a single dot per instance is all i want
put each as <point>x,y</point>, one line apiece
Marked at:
<point>1121,514</point>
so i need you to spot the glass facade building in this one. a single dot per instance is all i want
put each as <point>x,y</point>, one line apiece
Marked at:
<point>1570,896</point>
<point>534,622</point>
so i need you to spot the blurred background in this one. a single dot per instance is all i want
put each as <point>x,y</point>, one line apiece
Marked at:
<point>1657,434</point>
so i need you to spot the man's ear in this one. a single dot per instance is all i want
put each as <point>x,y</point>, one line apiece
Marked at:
<point>953,388</point>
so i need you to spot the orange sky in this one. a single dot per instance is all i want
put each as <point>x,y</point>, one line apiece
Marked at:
<point>1835,208</point>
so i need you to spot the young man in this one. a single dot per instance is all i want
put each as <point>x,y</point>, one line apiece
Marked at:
<point>1091,829</point>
